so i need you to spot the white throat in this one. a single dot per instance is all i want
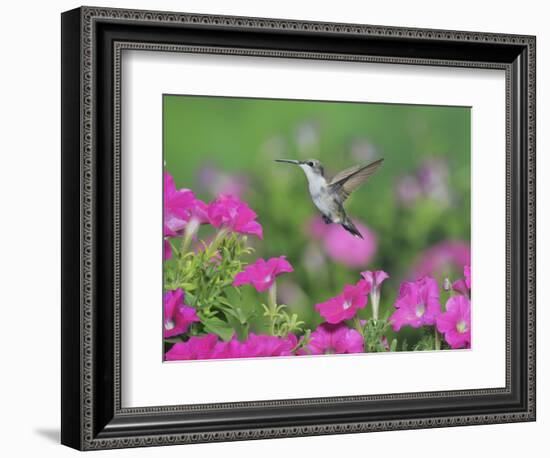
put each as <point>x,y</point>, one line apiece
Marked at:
<point>316,182</point>
<point>318,189</point>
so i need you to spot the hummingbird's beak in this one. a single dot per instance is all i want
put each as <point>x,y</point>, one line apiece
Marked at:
<point>290,161</point>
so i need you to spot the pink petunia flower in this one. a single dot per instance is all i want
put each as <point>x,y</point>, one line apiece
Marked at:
<point>210,347</point>
<point>199,212</point>
<point>271,345</point>
<point>430,180</point>
<point>343,247</point>
<point>455,322</point>
<point>167,250</point>
<point>262,273</point>
<point>433,176</point>
<point>345,306</point>
<point>442,258</point>
<point>460,287</point>
<point>463,285</point>
<point>258,345</point>
<point>417,304</point>
<point>177,316</point>
<point>228,211</point>
<point>316,227</point>
<point>407,190</point>
<point>176,205</point>
<point>334,339</point>
<point>203,347</point>
<point>179,207</point>
<point>215,181</point>
<point>468,276</point>
<point>375,280</point>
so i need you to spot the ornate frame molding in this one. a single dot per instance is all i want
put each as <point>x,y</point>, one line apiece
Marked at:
<point>89,434</point>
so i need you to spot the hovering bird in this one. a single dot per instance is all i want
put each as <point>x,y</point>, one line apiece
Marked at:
<point>329,195</point>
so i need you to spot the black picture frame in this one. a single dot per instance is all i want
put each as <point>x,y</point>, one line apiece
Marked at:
<point>92,40</point>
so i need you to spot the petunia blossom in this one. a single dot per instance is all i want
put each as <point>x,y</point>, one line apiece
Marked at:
<point>197,347</point>
<point>315,227</point>
<point>430,181</point>
<point>460,287</point>
<point>230,212</point>
<point>177,316</point>
<point>375,279</point>
<point>349,250</point>
<point>179,207</point>
<point>262,273</point>
<point>345,306</point>
<point>407,190</point>
<point>210,347</point>
<point>468,276</point>
<point>433,176</point>
<point>214,181</point>
<point>442,259</point>
<point>463,285</point>
<point>258,345</point>
<point>334,339</point>
<point>417,304</point>
<point>455,322</point>
<point>343,247</point>
<point>167,250</point>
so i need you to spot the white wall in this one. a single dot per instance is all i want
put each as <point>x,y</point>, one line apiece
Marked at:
<point>30,213</point>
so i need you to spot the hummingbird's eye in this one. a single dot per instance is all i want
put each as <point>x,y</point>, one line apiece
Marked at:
<point>310,164</point>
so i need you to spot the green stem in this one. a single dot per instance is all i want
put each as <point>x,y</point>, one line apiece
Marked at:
<point>217,240</point>
<point>301,343</point>
<point>191,229</point>
<point>185,243</point>
<point>375,300</point>
<point>437,340</point>
<point>357,325</point>
<point>272,304</point>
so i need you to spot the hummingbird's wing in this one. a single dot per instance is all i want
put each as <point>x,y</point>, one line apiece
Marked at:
<point>347,181</point>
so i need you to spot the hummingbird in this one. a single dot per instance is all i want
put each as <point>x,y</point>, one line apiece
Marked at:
<point>329,194</point>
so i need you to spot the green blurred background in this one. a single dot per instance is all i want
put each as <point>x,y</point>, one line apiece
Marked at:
<point>417,207</point>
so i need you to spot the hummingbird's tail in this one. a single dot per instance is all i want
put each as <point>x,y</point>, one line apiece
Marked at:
<point>350,227</point>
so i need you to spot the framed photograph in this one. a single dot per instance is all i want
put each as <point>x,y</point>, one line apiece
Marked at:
<point>276,228</point>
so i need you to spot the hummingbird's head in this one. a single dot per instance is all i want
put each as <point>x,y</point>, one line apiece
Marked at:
<point>314,165</point>
<point>309,166</point>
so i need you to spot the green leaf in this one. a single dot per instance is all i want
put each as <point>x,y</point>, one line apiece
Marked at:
<point>218,327</point>
<point>241,329</point>
<point>173,340</point>
<point>188,287</point>
<point>231,312</point>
